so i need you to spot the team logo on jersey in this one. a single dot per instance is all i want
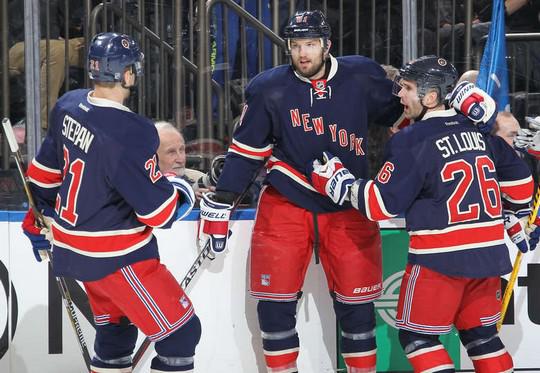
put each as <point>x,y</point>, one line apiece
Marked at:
<point>265,280</point>
<point>442,62</point>
<point>125,43</point>
<point>320,90</point>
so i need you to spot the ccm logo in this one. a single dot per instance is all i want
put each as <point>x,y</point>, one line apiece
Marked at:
<point>367,289</point>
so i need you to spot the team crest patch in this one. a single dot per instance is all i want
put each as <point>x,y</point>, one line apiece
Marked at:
<point>442,62</point>
<point>125,43</point>
<point>265,280</point>
<point>184,301</point>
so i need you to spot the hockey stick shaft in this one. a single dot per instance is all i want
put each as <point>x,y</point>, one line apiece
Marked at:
<point>517,263</point>
<point>60,281</point>
<point>205,253</point>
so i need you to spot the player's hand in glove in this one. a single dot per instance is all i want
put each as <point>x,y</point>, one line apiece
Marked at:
<point>533,232</point>
<point>330,178</point>
<point>528,140</point>
<point>214,224</point>
<point>516,230</point>
<point>39,237</point>
<point>475,104</point>
<point>187,196</point>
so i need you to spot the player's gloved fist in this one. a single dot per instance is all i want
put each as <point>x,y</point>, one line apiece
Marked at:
<point>214,224</point>
<point>330,178</point>
<point>37,236</point>
<point>528,140</point>
<point>515,229</point>
<point>533,232</point>
<point>187,196</point>
<point>475,104</point>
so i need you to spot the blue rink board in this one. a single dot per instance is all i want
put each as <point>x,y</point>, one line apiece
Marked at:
<point>242,214</point>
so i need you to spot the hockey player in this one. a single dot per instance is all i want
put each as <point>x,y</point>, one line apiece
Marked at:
<point>292,114</point>
<point>448,179</point>
<point>97,168</point>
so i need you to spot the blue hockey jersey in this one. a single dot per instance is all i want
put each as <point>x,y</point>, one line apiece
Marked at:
<point>448,178</point>
<point>292,120</point>
<point>97,166</point>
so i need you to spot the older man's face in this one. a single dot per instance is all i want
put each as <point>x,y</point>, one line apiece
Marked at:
<point>507,128</point>
<point>171,152</point>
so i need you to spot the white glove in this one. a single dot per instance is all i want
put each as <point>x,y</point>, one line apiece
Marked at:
<point>529,139</point>
<point>515,228</point>
<point>330,178</point>
<point>475,104</point>
<point>185,204</point>
<point>214,224</point>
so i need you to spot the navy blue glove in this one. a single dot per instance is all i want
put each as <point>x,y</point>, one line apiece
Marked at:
<point>40,244</point>
<point>533,232</point>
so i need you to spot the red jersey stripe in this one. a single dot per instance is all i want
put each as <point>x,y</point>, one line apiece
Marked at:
<point>462,236</point>
<point>44,176</point>
<point>376,209</point>
<point>519,191</point>
<point>101,244</point>
<point>162,214</point>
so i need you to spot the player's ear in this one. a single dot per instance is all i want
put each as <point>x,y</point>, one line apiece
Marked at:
<point>129,77</point>
<point>327,46</point>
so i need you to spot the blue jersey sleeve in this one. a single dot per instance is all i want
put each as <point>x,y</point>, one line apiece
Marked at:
<point>139,181</point>
<point>45,170</point>
<point>252,140</point>
<point>395,187</point>
<point>515,179</point>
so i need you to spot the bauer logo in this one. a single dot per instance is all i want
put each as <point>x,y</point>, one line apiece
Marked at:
<point>386,305</point>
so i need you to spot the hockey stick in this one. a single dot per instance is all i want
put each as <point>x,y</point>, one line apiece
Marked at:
<point>517,263</point>
<point>205,253</point>
<point>41,222</point>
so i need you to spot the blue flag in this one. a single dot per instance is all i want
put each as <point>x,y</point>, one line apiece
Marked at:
<point>493,74</point>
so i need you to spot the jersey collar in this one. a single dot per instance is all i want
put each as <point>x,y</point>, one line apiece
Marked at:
<point>103,102</point>
<point>333,70</point>
<point>439,113</point>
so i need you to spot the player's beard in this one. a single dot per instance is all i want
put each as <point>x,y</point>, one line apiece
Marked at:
<point>317,64</point>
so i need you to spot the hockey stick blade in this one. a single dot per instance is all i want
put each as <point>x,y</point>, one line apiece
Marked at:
<point>60,281</point>
<point>10,136</point>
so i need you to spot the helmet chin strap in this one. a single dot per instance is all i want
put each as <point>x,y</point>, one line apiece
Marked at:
<point>422,113</point>
<point>424,110</point>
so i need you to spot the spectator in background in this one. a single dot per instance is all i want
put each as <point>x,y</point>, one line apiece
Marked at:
<point>470,76</point>
<point>172,158</point>
<point>506,126</point>
<point>54,63</point>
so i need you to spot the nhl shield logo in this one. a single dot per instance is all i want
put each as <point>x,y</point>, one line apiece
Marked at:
<point>265,280</point>
<point>320,90</point>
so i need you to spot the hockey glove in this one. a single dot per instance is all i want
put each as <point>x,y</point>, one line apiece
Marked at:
<point>330,178</point>
<point>39,237</point>
<point>475,104</point>
<point>515,228</point>
<point>533,232</point>
<point>214,224</point>
<point>187,196</point>
<point>528,140</point>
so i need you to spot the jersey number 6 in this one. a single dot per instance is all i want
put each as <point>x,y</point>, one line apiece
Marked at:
<point>489,189</point>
